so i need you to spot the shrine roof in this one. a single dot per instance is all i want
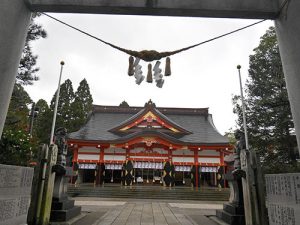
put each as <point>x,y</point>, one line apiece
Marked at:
<point>194,125</point>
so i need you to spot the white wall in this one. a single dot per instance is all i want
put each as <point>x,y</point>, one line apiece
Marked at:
<point>183,159</point>
<point>209,152</point>
<point>114,157</point>
<point>209,160</point>
<point>114,150</point>
<point>89,149</point>
<point>88,157</point>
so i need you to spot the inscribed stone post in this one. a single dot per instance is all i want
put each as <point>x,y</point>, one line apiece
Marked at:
<point>15,191</point>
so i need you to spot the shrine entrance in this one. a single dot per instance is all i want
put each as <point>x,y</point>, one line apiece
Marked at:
<point>148,147</point>
<point>15,16</point>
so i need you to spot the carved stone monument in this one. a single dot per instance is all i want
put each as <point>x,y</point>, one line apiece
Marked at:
<point>253,184</point>
<point>15,192</point>
<point>248,187</point>
<point>62,209</point>
<point>233,212</point>
<point>283,198</point>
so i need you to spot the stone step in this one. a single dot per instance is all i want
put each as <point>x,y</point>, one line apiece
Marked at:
<point>148,192</point>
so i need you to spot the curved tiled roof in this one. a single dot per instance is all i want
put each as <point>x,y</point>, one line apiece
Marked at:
<point>103,118</point>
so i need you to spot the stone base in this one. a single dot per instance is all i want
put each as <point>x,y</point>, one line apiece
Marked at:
<point>71,221</point>
<point>62,205</point>
<point>231,214</point>
<point>64,210</point>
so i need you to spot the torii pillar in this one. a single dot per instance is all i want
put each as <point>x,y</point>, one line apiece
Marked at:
<point>288,33</point>
<point>14,21</point>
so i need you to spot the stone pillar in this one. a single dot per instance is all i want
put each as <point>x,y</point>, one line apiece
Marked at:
<point>14,21</point>
<point>233,211</point>
<point>15,193</point>
<point>288,32</point>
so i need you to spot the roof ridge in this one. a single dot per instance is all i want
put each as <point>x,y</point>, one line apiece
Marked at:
<point>135,109</point>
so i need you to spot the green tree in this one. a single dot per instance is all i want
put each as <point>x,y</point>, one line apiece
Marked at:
<point>72,110</point>
<point>124,104</point>
<point>269,120</point>
<point>43,122</point>
<point>16,146</point>
<point>27,68</point>
<point>17,115</point>
<point>81,106</point>
<point>64,109</point>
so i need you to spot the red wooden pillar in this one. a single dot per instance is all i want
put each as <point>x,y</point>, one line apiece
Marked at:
<point>222,158</point>
<point>222,165</point>
<point>101,157</point>
<point>127,153</point>
<point>75,160</point>
<point>100,167</point>
<point>75,156</point>
<point>196,166</point>
<point>170,155</point>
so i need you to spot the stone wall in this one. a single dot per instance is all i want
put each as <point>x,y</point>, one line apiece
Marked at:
<point>283,198</point>
<point>15,190</point>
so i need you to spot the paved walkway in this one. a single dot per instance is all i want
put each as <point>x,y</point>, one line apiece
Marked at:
<point>146,212</point>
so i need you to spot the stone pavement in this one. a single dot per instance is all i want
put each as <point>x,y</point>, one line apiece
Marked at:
<point>146,212</point>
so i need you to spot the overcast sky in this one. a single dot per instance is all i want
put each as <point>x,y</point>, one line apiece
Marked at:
<point>205,76</point>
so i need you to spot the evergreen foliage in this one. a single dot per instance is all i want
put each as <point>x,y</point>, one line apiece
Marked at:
<point>27,68</point>
<point>17,114</point>
<point>43,122</point>
<point>16,146</point>
<point>64,109</point>
<point>81,106</point>
<point>124,104</point>
<point>269,119</point>
<point>72,111</point>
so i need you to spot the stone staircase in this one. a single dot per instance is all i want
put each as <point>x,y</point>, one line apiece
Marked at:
<point>150,192</point>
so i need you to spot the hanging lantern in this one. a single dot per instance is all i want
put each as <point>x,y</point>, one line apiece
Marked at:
<point>149,74</point>
<point>168,67</point>
<point>131,67</point>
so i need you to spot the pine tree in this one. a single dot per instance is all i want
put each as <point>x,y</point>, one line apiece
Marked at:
<point>269,120</point>
<point>82,105</point>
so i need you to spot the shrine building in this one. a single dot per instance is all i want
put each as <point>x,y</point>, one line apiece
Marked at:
<point>149,145</point>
